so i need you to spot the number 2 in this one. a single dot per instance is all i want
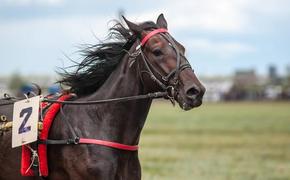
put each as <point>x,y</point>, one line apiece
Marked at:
<point>26,113</point>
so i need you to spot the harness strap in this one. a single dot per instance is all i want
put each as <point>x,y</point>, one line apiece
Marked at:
<point>78,140</point>
<point>109,144</point>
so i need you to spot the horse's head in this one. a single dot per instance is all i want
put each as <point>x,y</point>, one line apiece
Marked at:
<point>164,62</point>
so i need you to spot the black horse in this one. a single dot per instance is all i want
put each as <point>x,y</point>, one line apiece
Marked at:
<point>141,59</point>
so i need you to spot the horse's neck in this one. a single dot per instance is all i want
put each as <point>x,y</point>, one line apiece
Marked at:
<point>122,121</point>
<point>124,81</point>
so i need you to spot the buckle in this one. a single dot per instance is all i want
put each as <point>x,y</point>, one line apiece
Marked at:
<point>170,94</point>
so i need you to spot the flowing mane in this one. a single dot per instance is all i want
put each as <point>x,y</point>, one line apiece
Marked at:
<point>100,60</point>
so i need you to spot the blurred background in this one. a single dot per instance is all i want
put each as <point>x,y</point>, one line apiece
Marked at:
<point>238,48</point>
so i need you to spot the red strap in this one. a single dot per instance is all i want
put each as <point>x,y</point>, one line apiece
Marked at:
<point>47,122</point>
<point>108,144</point>
<point>152,33</point>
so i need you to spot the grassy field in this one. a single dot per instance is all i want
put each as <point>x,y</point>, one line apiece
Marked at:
<point>238,141</point>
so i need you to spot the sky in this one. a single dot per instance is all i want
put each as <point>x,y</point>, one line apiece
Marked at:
<point>36,36</point>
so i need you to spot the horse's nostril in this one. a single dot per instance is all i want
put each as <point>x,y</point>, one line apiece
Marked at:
<point>192,92</point>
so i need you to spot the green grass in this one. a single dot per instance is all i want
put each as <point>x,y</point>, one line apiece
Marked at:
<point>220,141</point>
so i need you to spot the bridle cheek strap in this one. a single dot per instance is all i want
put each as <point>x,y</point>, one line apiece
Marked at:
<point>152,33</point>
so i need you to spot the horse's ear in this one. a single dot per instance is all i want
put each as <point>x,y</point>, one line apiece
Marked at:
<point>161,22</point>
<point>133,27</point>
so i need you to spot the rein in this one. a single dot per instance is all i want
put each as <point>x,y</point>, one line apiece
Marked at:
<point>154,95</point>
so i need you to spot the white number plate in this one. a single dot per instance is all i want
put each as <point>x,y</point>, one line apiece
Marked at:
<point>25,120</point>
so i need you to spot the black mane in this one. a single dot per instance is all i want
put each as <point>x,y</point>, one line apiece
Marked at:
<point>100,60</point>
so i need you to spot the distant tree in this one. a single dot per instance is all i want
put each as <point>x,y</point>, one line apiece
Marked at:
<point>288,76</point>
<point>286,85</point>
<point>15,82</point>
<point>245,86</point>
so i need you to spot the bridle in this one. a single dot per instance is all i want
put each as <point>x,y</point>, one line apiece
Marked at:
<point>164,80</point>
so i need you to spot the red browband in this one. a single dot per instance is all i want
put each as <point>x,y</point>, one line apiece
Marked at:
<point>152,33</point>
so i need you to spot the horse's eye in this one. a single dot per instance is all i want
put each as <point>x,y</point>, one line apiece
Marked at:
<point>157,52</point>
